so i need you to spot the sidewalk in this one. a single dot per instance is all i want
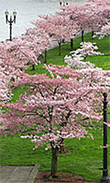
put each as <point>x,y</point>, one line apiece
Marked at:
<point>18,174</point>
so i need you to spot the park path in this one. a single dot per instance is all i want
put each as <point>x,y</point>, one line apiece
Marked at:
<point>18,174</point>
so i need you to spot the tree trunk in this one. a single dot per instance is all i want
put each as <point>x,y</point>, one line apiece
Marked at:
<point>82,35</point>
<point>92,34</point>
<point>54,162</point>
<point>33,67</point>
<point>71,40</point>
<point>59,48</point>
<point>85,58</point>
<point>45,56</point>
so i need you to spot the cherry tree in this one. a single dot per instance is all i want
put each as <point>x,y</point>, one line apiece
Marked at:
<point>99,13</point>
<point>13,56</point>
<point>87,48</point>
<point>84,16</point>
<point>105,31</point>
<point>25,50</point>
<point>57,26</point>
<point>19,53</point>
<point>8,68</point>
<point>71,25</point>
<point>39,40</point>
<point>76,15</point>
<point>90,16</point>
<point>76,62</point>
<point>10,64</point>
<point>76,59</point>
<point>55,108</point>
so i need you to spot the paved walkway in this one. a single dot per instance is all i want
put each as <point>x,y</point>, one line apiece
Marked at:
<point>18,174</point>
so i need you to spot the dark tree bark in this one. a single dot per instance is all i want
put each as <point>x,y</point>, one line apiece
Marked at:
<point>59,48</point>
<point>82,36</point>
<point>54,162</point>
<point>71,41</point>
<point>92,34</point>
<point>45,56</point>
<point>33,67</point>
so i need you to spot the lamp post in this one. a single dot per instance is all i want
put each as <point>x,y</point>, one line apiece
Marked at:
<point>10,21</point>
<point>105,178</point>
<point>64,3</point>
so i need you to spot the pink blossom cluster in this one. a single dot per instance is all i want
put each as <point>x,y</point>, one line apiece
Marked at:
<point>105,31</point>
<point>87,48</point>
<point>77,63</point>
<point>57,108</point>
<point>92,15</point>
<point>19,54</point>
<point>25,49</point>
<point>75,60</point>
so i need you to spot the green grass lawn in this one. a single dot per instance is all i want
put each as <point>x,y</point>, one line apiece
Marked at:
<point>100,61</point>
<point>86,155</point>
<point>84,159</point>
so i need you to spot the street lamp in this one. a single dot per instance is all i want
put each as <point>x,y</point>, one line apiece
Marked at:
<point>105,178</point>
<point>64,3</point>
<point>10,21</point>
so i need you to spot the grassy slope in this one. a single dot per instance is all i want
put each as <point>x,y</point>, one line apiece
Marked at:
<point>86,156</point>
<point>100,61</point>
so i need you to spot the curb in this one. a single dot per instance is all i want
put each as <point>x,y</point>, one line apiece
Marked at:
<point>33,174</point>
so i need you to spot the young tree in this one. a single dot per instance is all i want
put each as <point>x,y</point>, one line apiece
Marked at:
<point>8,68</point>
<point>39,40</point>
<point>17,53</point>
<point>87,48</point>
<point>98,13</point>
<point>90,16</point>
<point>56,108</point>
<point>25,50</point>
<point>105,31</point>
<point>77,62</point>
<point>74,29</point>
<point>57,26</point>
<point>76,59</point>
<point>77,15</point>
